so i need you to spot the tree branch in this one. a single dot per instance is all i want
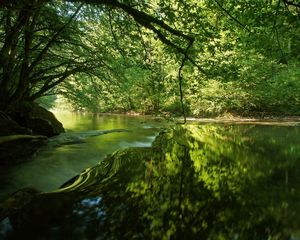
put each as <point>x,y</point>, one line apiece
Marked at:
<point>51,84</point>
<point>181,81</point>
<point>52,40</point>
<point>148,22</point>
<point>232,17</point>
<point>120,50</point>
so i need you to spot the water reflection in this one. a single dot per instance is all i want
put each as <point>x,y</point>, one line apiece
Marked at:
<point>196,182</point>
<point>52,166</point>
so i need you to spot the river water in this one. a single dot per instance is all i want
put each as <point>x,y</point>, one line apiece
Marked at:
<point>51,166</point>
<point>198,181</point>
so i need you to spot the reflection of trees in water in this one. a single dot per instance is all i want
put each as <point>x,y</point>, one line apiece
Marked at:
<point>209,183</point>
<point>196,182</point>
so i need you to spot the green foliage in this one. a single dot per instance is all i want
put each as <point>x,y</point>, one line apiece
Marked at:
<point>47,102</point>
<point>125,56</point>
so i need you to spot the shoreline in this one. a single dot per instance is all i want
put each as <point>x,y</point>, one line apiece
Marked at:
<point>255,121</point>
<point>270,120</point>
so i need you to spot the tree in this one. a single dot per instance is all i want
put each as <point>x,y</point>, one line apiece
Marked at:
<point>31,38</point>
<point>204,45</point>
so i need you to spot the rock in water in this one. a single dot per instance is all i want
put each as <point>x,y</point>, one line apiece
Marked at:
<point>10,127</point>
<point>16,141</point>
<point>38,119</point>
<point>79,137</point>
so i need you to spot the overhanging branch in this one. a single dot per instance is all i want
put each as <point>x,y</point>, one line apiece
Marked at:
<point>232,17</point>
<point>150,23</point>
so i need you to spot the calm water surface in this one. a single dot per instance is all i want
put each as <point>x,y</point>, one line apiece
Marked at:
<point>210,182</point>
<point>52,166</point>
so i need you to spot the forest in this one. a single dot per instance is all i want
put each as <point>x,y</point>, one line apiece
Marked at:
<point>200,58</point>
<point>183,119</point>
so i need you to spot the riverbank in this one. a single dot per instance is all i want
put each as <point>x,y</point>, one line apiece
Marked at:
<point>278,121</point>
<point>227,118</point>
<point>166,114</point>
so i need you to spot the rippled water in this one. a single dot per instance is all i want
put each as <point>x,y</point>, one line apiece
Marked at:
<point>52,166</point>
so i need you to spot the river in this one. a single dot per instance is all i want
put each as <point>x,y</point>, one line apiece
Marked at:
<point>198,181</point>
<point>50,167</point>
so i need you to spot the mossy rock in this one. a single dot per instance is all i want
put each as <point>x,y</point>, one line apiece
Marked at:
<point>38,119</point>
